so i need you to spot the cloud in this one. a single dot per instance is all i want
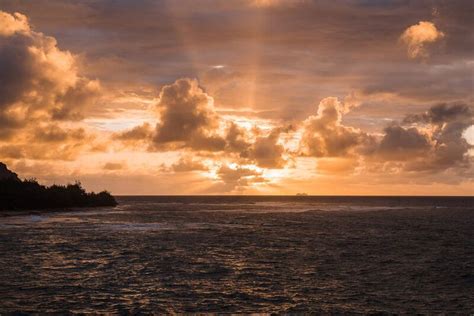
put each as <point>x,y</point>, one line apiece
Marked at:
<point>38,80</point>
<point>138,136</point>
<point>44,90</point>
<point>267,152</point>
<point>324,135</point>
<point>11,151</point>
<point>416,38</point>
<point>73,103</point>
<point>332,166</point>
<point>237,140</point>
<point>187,118</point>
<point>444,113</point>
<point>112,166</point>
<point>66,151</point>
<point>399,143</point>
<point>237,178</point>
<point>188,121</point>
<point>274,3</point>
<point>431,141</point>
<point>447,122</point>
<point>53,133</point>
<point>185,164</point>
<point>48,141</point>
<point>13,23</point>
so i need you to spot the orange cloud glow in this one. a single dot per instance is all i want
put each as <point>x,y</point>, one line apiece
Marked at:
<point>239,97</point>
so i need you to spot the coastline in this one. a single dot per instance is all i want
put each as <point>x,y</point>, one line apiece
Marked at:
<point>11,213</point>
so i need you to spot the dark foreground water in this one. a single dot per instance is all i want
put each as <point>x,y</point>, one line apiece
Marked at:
<point>304,254</point>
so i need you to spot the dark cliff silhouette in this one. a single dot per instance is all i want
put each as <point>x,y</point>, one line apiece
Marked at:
<point>6,174</point>
<point>17,194</point>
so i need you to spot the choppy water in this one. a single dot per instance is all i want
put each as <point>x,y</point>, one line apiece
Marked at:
<point>242,255</point>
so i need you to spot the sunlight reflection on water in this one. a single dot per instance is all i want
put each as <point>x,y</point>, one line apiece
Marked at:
<point>146,256</point>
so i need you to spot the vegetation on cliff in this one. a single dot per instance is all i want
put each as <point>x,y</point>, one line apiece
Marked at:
<point>16,194</point>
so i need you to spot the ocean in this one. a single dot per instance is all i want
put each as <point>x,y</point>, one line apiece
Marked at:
<point>242,254</point>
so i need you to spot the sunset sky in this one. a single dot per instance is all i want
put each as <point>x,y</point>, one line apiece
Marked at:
<point>240,97</point>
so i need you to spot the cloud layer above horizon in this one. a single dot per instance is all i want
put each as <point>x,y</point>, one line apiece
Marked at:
<point>231,97</point>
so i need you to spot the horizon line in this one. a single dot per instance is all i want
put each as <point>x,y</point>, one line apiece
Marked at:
<point>282,195</point>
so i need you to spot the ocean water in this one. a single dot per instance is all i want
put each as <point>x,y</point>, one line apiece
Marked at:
<point>242,254</point>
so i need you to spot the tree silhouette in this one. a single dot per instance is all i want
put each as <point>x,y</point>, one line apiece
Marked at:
<point>16,194</point>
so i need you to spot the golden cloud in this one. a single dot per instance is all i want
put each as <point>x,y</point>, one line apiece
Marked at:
<point>13,23</point>
<point>38,81</point>
<point>417,36</point>
<point>325,136</point>
<point>188,121</point>
<point>237,178</point>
